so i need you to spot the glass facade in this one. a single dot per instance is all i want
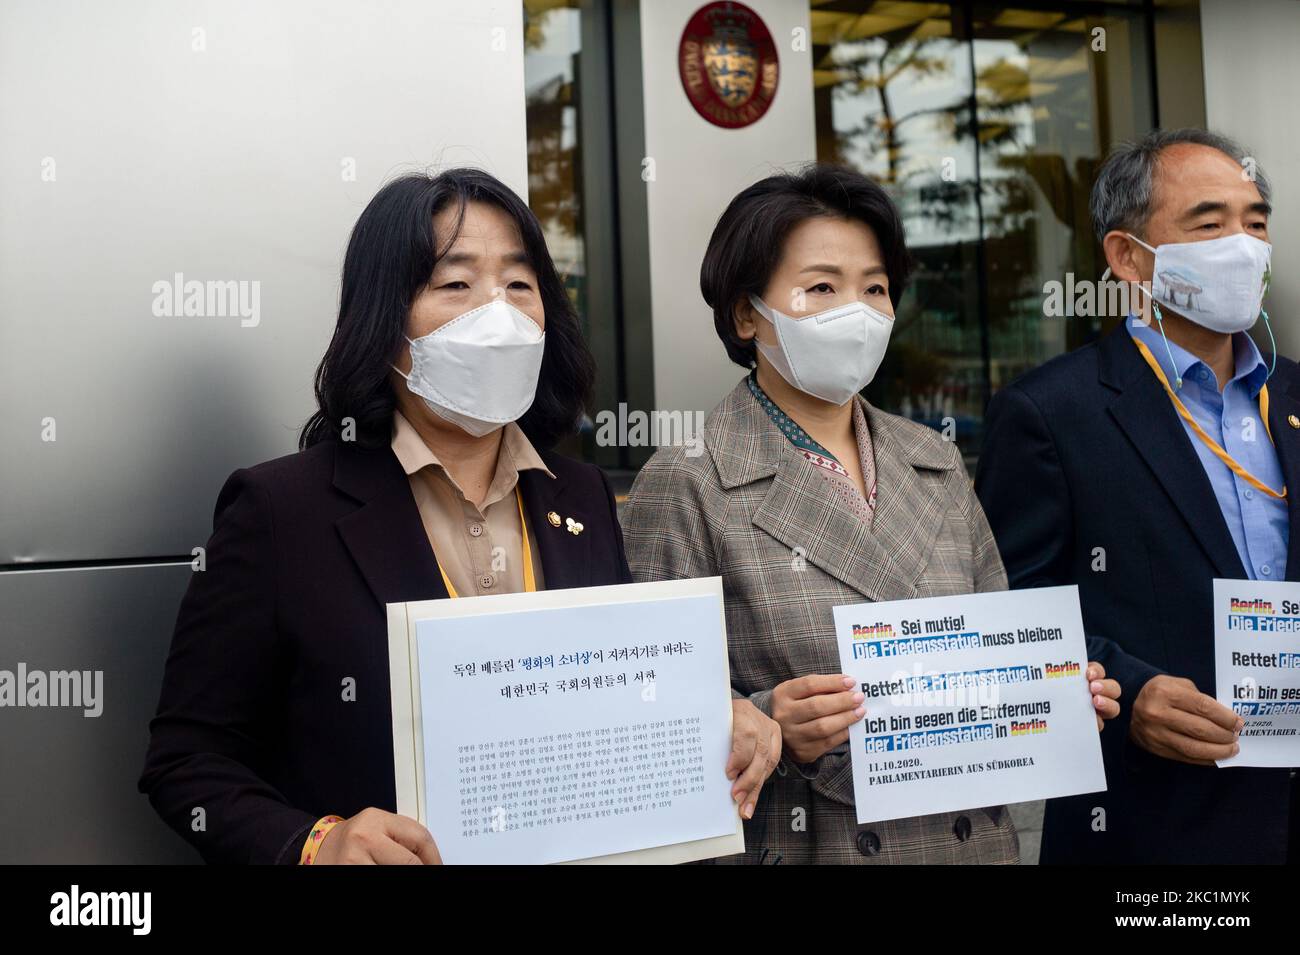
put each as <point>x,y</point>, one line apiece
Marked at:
<point>985,121</point>
<point>567,84</point>
<point>553,44</point>
<point>553,51</point>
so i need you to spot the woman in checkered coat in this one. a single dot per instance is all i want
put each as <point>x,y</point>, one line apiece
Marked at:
<point>802,496</point>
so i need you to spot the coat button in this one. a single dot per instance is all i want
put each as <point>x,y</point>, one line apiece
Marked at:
<point>868,843</point>
<point>961,828</point>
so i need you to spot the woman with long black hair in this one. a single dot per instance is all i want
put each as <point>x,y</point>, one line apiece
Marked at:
<point>457,362</point>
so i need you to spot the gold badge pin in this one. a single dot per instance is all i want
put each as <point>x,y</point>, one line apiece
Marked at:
<point>573,526</point>
<point>553,518</point>
<point>1293,421</point>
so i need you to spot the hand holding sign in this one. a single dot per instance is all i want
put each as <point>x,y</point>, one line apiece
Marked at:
<point>1105,694</point>
<point>993,688</point>
<point>815,713</point>
<point>1173,719</point>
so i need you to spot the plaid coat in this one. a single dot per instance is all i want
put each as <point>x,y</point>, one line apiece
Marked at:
<point>751,509</point>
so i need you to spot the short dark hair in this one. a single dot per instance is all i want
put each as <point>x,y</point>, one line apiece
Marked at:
<point>1123,195</point>
<point>390,257</point>
<point>749,239</point>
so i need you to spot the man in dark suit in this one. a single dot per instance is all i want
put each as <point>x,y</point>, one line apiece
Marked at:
<point>1098,470</point>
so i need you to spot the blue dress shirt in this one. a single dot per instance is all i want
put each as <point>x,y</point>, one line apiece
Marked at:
<point>1259,524</point>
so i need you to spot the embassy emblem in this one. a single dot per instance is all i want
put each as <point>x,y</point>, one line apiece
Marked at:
<point>728,64</point>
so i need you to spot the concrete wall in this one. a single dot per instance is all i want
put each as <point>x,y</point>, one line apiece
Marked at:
<point>1251,75</point>
<point>698,168</point>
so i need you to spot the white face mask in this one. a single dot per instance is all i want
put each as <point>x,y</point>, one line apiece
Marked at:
<point>1218,283</point>
<point>479,371</point>
<point>832,354</point>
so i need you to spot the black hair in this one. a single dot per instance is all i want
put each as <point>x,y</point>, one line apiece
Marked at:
<point>749,239</point>
<point>390,257</point>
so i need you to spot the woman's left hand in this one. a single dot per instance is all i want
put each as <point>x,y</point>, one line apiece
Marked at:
<point>1105,694</point>
<point>755,751</point>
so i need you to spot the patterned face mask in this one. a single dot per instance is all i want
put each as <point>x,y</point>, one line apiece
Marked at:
<point>1218,284</point>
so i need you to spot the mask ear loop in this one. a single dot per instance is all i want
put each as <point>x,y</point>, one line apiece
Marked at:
<point>769,315</point>
<point>1160,320</point>
<point>398,370</point>
<point>1272,341</point>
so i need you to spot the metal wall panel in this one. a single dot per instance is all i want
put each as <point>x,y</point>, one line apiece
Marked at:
<point>224,142</point>
<point>1250,70</point>
<point>67,780</point>
<point>232,144</point>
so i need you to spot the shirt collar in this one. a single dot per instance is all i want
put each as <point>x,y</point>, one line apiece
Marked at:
<point>1250,366</point>
<point>794,433</point>
<point>517,454</point>
<point>797,435</point>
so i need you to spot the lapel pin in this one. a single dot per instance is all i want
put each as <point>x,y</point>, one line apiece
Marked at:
<point>573,526</point>
<point>1293,421</point>
<point>553,518</point>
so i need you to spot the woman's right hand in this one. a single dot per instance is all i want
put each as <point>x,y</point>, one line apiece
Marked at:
<point>376,837</point>
<point>815,713</point>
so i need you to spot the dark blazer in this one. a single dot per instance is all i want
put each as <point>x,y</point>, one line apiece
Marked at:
<point>256,735</point>
<point>1087,452</point>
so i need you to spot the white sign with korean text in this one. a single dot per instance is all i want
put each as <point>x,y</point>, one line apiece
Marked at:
<point>975,700</point>
<point>1257,667</point>
<point>590,724</point>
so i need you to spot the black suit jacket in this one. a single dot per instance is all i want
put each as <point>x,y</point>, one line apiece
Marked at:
<point>255,737</point>
<point>1085,459</point>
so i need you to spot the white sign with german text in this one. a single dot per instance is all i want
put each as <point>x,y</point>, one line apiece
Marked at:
<point>1257,667</point>
<point>974,700</point>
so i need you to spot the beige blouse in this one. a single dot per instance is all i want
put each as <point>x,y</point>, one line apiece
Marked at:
<point>480,550</point>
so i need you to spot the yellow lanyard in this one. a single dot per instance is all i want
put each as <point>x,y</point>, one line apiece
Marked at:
<point>530,579</point>
<point>1209,442</point>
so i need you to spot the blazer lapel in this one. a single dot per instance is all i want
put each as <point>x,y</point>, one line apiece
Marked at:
<point>385,535</point>
<point>910,506</point>
<point>564,555</point>
<point>1145,414</point>
<point>882,562</point>
<point>1283,403</point>
<point>800,511</point>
